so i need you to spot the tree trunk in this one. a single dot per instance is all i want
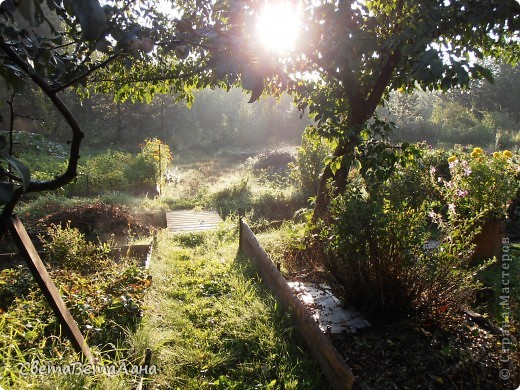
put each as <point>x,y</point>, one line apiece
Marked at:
<point>333,184</point>
<point>119,123</point>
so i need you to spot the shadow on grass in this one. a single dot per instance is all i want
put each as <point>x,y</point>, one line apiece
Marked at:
<point>297,352</point>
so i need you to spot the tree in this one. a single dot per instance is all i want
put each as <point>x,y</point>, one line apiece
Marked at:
<point>501,96</point>
<point>364,50</point>
<point>63,45</point>
<point>351,55</point>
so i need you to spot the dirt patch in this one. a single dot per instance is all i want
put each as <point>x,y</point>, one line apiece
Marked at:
<point>100,220</point>
<point>412,355</point>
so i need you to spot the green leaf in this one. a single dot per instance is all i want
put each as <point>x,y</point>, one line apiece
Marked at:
<point>28,11</point>
<point>256,93</point>
<point>25,173</point>
<point>91,18</point>
<point>335,165</point>
<point>6,192</point>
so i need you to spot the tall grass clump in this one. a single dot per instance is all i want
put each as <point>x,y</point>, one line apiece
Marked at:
<point>260,197</point>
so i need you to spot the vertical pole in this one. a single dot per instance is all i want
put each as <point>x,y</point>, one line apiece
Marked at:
<point>240,216</point>
<point>160,171</point>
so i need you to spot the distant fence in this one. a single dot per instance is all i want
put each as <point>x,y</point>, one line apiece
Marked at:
<point>331,362</point>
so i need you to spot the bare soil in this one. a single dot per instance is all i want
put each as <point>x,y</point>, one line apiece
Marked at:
<point>459,354</point>
<point>103,221</point>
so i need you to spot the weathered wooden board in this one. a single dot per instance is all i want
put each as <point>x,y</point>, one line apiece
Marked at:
<point>192,221</point>
<point>35,264</point>
<point>331,362</point>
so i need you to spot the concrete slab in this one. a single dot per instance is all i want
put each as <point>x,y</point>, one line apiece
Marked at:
<point>327,309</point>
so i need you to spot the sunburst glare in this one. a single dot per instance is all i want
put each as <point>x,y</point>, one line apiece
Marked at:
<point>278,26</point>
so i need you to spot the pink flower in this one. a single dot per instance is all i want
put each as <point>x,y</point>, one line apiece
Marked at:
<point>451,207</point>
<point>462,193</point>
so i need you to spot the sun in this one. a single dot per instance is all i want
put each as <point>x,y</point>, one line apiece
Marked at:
<point>278,26</point>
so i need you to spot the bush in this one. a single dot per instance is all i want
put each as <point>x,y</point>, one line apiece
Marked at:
<point>481,187</point>
<point>379,248</point>
<point>155,155</point>
<point>67,248</point>
<point>274,161</point>
<point>310,161</point>
<point>230,199</point>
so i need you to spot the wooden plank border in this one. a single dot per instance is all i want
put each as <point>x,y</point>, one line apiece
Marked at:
<point>331,362</point>
<point>51,293</point>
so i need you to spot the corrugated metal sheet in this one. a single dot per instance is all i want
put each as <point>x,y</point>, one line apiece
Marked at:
<point>192,221</point>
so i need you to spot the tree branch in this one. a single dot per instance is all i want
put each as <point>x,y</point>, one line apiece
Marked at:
<point>85,74</point>
<point>12,114</point>
<point>154,78</point>
<point>77,134</point>
<point>382,81</point>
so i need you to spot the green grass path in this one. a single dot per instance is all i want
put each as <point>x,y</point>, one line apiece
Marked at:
<point>212,324</point>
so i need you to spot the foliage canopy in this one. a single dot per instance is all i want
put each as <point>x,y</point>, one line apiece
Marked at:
<point>349,56</point>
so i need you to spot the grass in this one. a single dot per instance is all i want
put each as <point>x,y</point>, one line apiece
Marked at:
<point>208,321</point>
<point>211,325</point>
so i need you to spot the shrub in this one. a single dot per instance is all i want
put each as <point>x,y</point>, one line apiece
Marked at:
<point>310,160</point>
<point>274,161</point>
<point>481,187</point>
<point>379,248</point>
<point>102,173</point>
<point>140,173</point>
<point>156,154</point>
<point>67,248</point>
<point>230,199</point>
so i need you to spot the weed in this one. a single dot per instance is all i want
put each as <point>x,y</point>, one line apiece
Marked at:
<point>105,299</point>
<point>190,239</point>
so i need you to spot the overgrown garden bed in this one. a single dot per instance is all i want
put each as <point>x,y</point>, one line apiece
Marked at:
<point>105,298</point>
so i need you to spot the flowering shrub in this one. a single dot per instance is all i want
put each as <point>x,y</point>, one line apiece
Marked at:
<point>379,249</point>
<point>407,244</point>
<point>481,187</point>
